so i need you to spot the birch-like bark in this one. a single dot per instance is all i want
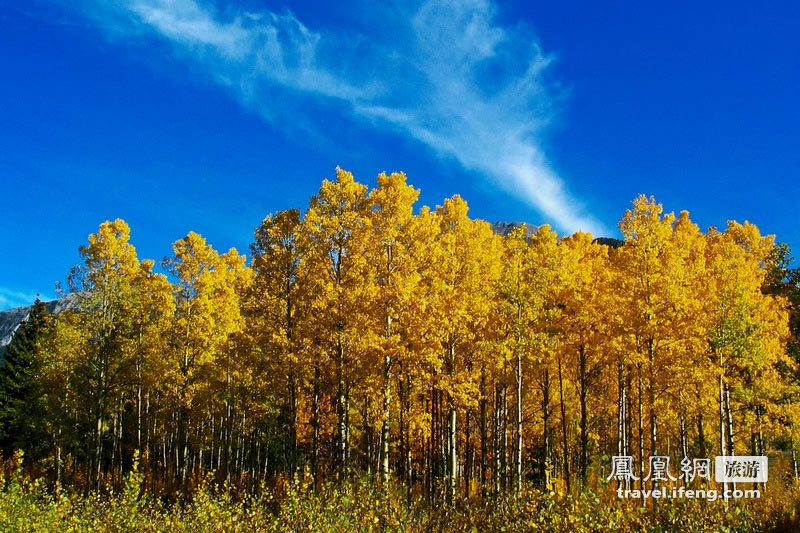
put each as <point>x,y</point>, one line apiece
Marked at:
<point>563,423</point>
<point>518,439</point>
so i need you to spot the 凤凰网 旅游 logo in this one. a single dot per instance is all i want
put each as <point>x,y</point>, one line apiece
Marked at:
<point>692,478</point>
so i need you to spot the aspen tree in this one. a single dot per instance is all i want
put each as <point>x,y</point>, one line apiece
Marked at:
<point>104,287</point>
<point>153,309</point>
<point>519,303</point>
<point>546,283</point>
<point>585,317</point>
<point>649,271</point>
<point>336,236</point>
<point>462,302</point>
<point>207,312</point>
<point>391,208</point>
<point>276,311</point>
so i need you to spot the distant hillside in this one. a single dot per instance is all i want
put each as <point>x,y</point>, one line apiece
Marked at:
<point>504,228</point>
<point>12,318</point>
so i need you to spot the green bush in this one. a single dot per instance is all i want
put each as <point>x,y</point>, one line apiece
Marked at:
<point>361,505</point>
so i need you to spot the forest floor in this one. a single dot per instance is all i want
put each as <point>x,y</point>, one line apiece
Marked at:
<point>361,505</point>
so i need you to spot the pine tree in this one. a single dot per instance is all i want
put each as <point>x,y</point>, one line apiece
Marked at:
<point>20,399</point>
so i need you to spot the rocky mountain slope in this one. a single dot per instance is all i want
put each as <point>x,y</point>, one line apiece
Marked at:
<point>12,318</point>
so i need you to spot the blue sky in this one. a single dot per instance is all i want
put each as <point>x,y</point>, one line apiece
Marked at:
<point>200,115</point>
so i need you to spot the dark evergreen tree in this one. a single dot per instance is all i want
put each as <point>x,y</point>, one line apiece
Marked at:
<point>783,279</point>
<point>20,397</point>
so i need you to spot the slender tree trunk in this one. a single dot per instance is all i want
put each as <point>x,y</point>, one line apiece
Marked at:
<point>164,456</point>
<point>722,439</point>
<point>622,448</point>
<point>119,438</point>
<point>292,408</point>
<point>640,422</point>
<point>794,452</point>
<point>139,408</point>
<point>504,445</point>
<point>430,467</point>
<point>401,419</point>
<point>114,446</point>
<point>518,436</point>
<point>367,438</point>
<point>652,406</point>
<point>98,449</point>
<point>341,437</point>
<point>760,438</point>
<point>451,445</point>
<point>583,378</point>
<point>496,472</point>
<point>315,428</point>
<point>57,456</point>
<point>387,371</point>
<point>347,427</point>
<point>483,431</point>
<point>682,433</point>
<point>467,452</point>
<point>149,427</point>
<point>228,429</point>
<point>628,411</point>
<point>546,470</point>
<point>507,457</point>
<point>729,420</point>
<point>437,457</point>
<point>407,432</point>
<point>563,423</point>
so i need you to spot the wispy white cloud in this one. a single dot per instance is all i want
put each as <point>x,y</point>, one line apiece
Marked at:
<point>10,298</point>
<point>447,75</point>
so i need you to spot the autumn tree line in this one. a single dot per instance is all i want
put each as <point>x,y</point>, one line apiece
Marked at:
<point>365,337</point>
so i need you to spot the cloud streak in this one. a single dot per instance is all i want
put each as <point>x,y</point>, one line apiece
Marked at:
<point>10,298</point>
<point>447,75</point>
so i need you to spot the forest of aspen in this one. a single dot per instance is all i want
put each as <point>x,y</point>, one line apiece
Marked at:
<point>373,365</point>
